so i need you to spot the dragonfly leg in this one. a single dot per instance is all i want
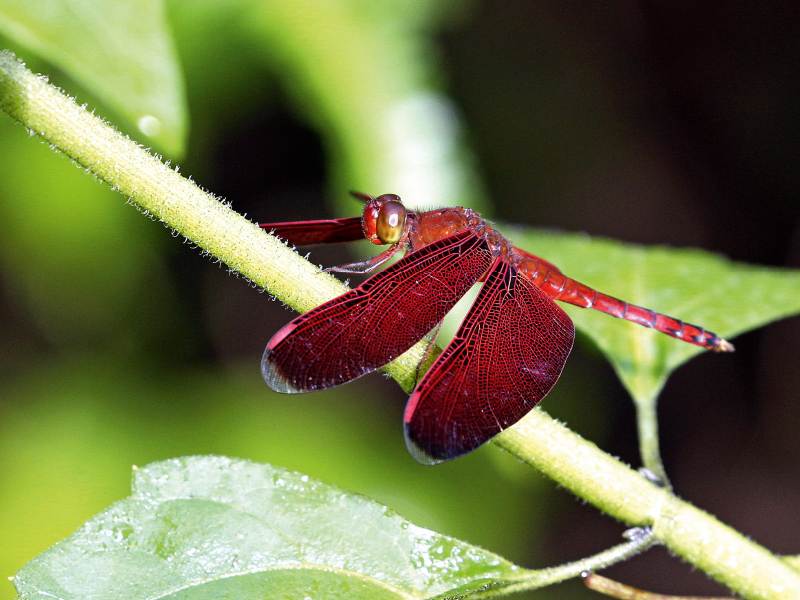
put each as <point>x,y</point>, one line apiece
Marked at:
<point>366,266</point>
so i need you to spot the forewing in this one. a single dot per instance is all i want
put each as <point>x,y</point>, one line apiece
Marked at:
<point>376,322</point>
<point>505,357</point>
<point>307,233</point>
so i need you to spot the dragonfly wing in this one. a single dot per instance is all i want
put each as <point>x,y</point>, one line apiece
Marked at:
<point>307,233</point>
<point>376,322</point>
<point>505,357</point>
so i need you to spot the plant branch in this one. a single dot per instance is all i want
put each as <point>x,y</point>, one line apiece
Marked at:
<point>575,463</point>
<point>178,202</point>
<point>619,491</point>
<point>615,589</point>
<point>640,541</point>
<point>647,426</point>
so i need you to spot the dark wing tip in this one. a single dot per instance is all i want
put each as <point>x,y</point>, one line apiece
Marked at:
<point>276,380</point>
<point>419,454</point>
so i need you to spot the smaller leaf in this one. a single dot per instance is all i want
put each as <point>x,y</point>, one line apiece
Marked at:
<point>121,51</point>
<point>695,286</point>
<point>213,526</point>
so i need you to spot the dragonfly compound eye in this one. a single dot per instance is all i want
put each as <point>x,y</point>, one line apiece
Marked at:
<point>391,222</point>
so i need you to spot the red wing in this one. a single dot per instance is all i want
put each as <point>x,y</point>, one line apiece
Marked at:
<point>306,233</point>
<point>507,354</point>
<point>375,323</point>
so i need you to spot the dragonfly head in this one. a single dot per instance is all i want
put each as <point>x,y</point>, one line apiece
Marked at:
<point>384,219</point>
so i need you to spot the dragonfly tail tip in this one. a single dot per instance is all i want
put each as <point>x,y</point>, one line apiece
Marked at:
<point>724,346</point>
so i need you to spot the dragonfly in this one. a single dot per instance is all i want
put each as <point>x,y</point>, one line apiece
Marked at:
<point>507,354</point>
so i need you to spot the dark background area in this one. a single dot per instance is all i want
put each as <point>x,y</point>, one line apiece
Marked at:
<point>663,123</point>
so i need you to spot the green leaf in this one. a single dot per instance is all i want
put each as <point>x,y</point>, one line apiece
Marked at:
<point>695,286</point>
<point>211,526</point>
<point>121,51</point>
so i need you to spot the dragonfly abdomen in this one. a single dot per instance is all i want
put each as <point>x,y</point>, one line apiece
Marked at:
<point>565,289</point>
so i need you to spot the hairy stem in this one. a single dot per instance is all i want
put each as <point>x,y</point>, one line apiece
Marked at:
<point>616,489</point>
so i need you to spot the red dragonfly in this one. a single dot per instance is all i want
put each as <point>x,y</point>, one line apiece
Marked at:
<point>507,354</point>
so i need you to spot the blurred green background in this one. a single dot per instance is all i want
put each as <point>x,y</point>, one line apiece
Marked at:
<point>653,123</point>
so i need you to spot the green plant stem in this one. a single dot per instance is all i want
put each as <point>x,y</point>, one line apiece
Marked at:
<point>575,463</point>
<point>542,577</point>
<point>647,425</point>
<point>619,491</point>
<point>163,193</point>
